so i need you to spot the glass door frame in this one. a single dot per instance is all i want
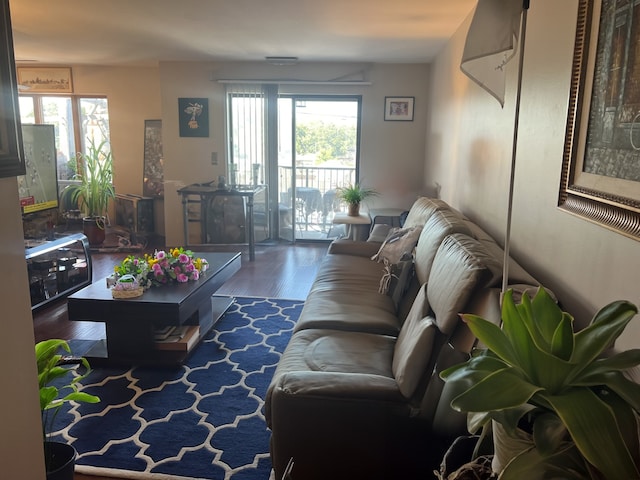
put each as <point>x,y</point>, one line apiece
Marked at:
<point>273,154</point>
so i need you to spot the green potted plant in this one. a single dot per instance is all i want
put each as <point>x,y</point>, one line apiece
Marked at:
<point>353,195</point>
<point>562,393</point>
<point>94,189</point>
<point>55,391</point>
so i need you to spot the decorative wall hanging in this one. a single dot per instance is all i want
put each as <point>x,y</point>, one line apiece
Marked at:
<point>193,117</point>
<point>45,79</point>
<point>153,178</point>
<point>398,109</point>
<point>600,178</point>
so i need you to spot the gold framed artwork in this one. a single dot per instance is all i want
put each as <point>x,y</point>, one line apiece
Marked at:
<point>600,179</point>
<point>45,79</point>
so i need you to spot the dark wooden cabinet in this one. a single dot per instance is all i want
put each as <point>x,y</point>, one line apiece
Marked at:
<point>11,158</point>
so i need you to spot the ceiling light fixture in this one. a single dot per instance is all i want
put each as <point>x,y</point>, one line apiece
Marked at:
<point>282,60</point>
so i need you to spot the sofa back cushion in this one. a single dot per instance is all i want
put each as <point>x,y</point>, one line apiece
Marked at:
<point>461,266</point>
<point>440,224</point>
<point>415,342</point>
<point>422,209</point>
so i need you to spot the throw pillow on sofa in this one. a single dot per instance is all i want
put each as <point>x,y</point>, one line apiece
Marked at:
<point>396,252</point>
<point>398,245</point>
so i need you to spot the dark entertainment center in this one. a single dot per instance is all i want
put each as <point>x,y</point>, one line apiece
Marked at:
<point>57,268</point>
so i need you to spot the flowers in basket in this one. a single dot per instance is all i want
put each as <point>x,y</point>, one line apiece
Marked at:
<point>176,265</point>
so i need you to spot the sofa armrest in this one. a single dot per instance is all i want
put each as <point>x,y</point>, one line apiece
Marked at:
<point>350,247</point>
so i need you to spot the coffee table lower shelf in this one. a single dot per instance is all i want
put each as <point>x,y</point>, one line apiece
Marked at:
<point>161,354</point>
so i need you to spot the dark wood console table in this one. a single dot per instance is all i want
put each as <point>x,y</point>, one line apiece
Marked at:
<point>131,324</point>
<point>204,194</point>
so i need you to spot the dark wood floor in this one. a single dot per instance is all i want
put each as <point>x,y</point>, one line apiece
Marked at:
<point>279,271</point>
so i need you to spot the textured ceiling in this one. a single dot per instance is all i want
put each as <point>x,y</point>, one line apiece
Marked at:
<point>144,32</point>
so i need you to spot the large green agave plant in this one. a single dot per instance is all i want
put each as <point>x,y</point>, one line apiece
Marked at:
<point>580,408</point>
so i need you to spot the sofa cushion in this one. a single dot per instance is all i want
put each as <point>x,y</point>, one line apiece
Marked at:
<point>462,265</point>
<point>343,246</point>
<point>422,209</point>
<point>335,351</point>
<point>440,224</point>
<point>371,312</point>
<point>459,269</point>
<point>415,342</point>
<point>348,273</point>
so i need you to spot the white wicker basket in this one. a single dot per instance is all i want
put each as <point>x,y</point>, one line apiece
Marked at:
<point>126,287</point>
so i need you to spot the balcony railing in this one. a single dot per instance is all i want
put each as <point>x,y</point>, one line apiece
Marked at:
<point>316,199</point>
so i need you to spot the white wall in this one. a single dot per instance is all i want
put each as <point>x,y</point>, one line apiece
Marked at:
<point>21,454</point>
<point>469,152</point>
<point>391,152</point>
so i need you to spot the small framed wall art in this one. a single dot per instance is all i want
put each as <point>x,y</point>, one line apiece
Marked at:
<point>398,109</point>
<point>193,114</point>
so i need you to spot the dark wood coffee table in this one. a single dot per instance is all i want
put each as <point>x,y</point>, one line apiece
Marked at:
<point>131,324</point>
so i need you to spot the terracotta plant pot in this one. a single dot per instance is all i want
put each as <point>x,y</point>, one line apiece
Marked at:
<point>353,210</point>
<point>94,229</point>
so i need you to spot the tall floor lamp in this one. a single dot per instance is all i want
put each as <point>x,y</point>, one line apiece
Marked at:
<point>491,43</point>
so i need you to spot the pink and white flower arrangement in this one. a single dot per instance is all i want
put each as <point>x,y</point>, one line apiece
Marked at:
<point>176,265</point>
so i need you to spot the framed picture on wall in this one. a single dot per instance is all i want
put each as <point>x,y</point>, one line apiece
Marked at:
<point>398,109</point>
<point>45,79</point>
<point>193,114</point>
<point>600,178</point>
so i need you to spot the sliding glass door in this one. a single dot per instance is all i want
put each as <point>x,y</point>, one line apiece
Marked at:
<point>318,138</point>
<point>303,147</point>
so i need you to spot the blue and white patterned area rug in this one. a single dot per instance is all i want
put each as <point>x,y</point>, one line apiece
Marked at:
<point>201,420</point>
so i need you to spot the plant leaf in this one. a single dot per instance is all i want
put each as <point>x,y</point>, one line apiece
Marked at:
<point>548,433</point>
<point>617,383</point>
<point>562,342</point>
<point>47,395</point>
<point>604,329</point>
<point>493,337</point>
<point>516,324</point>
<point>484,397</point>
<point>547,314</point>
<point>594,430</point>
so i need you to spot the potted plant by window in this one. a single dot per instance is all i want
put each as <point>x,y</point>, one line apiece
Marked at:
<point>94,189</point>
<point>353,195</point>
<point>55,391</point>
<point>562,395</point>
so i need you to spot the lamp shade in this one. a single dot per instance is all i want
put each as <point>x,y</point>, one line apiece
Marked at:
<point>491,42</point>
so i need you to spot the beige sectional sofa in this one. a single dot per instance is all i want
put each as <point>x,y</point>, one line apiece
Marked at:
<point>357,392</point>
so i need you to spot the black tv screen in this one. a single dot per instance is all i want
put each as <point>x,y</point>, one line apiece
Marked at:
<point>38,188</point>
